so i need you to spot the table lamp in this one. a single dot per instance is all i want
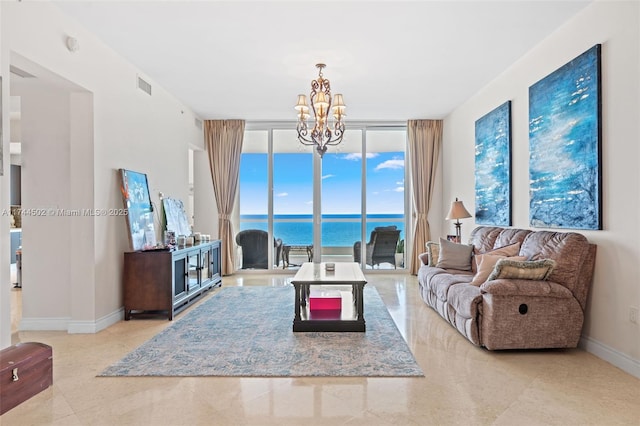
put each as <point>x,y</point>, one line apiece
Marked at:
<point>457,212</point>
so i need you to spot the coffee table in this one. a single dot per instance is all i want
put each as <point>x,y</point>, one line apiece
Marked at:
<point>351,317</point>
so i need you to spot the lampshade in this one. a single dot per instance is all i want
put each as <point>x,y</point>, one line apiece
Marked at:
<point>321,102</point>
<point>457,211</point>
<point>337,101</point>
<point>302,103</point>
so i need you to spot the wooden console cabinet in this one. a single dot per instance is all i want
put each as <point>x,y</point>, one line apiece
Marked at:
<point>169,281</point>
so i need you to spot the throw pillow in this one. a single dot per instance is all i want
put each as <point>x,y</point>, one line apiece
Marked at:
<point>433,253</point>
<point>523,270</point>
<point>454,256</point>
<point>506,251</point>
<point>486,263</point>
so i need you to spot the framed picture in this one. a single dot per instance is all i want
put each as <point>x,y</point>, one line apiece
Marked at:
<point>136,199</point>
<point>175,217</point>
<point>493,167</point>
<point>453,238</point>
<point>565,146</point>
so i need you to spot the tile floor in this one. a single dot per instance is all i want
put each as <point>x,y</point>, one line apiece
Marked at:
<point>463,384</point>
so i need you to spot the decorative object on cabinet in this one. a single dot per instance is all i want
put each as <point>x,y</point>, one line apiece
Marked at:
<point>493,167</point>
<point>135,196</point>
<point>175,216</point>
<point>169,281</point>
<point>565,146</point>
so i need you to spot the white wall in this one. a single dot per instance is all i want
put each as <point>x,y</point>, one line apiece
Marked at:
<point>5,274</point>
<point>608,332</point>
<point>45,179</point>
<point>124,128</point>
<point>205,209</point>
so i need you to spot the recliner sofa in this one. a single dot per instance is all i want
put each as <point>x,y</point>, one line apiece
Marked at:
<point>512,312</point>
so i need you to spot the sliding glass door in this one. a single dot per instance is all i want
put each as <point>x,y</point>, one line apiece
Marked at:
<point>292,198</point>
<point>341,200</point>
<point>340,208</point>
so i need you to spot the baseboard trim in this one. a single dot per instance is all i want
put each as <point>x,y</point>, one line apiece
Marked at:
<point>44,324</point>
<point>71,327</point>
<point>612,356</point>
<point>90,327</point>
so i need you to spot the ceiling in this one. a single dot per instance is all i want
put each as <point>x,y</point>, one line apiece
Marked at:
<point>393,61</point>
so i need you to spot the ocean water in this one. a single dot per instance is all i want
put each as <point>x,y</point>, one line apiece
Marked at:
<point>337,230</point>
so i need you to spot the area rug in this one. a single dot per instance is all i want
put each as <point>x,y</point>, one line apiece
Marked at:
<point>247,332</point>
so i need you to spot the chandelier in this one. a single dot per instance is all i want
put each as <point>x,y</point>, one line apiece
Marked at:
<point>323,132</point>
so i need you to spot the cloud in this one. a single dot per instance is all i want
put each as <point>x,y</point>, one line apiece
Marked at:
<point>357,156</point>
<point>399,189</point>
<point>327,176</point>
<point>391,164</point>
<point>282,194</point>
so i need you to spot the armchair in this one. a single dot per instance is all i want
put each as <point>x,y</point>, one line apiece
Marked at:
<point>381,247</point>
<point>255,248</point>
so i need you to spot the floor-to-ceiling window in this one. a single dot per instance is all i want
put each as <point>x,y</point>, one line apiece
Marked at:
<point>341,182</point>
<point>318,210</point>
<point>385,196</point>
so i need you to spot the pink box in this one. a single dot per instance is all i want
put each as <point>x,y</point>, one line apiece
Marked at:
<point>321,300</point>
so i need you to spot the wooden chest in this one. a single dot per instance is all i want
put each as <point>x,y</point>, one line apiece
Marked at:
<point>25,370</point>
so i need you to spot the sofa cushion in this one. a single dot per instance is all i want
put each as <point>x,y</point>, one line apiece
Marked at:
<point>511,235</point>
<point>483,238</point>
<point>454,256</point>
<point>568,249</point>
<point>522,269</point>
<point>486,264</point>
<point>439,284</point>
<point>464,300</point>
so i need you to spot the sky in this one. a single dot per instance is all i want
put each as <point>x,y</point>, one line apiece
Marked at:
<point>341,183</point>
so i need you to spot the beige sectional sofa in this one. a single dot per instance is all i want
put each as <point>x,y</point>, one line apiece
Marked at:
<point>511,288</point>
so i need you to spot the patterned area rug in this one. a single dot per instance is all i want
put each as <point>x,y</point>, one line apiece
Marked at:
<point>247,332</point>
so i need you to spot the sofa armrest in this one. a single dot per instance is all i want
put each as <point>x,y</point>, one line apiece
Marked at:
<point>513,287</point>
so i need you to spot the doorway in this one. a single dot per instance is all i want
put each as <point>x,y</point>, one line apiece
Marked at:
<point>51,135</point>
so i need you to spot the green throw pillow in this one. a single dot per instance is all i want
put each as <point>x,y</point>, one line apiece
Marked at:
<point>523,269</point>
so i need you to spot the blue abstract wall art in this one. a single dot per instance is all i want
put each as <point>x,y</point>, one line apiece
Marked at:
<point>565,146</point>
<point>493,167</point>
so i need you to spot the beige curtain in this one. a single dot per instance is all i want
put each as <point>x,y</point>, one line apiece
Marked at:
<point>425,141</point>
<point>223,140</point>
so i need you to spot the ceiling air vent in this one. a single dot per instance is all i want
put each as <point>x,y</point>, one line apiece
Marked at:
<point>199,123</point>
<point>20,73</point>
<point>144,86</point>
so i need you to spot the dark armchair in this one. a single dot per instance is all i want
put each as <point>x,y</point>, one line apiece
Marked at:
<point>381,247</point>
<point>255,248</point>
